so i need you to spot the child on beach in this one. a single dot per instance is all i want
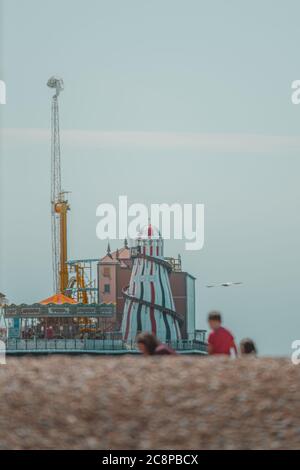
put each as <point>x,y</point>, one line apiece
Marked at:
<point>220,340</point>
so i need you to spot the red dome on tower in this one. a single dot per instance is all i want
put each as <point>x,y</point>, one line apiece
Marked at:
<point>149,231</point>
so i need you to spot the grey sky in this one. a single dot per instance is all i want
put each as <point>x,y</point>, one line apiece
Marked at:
<point>199,91</point>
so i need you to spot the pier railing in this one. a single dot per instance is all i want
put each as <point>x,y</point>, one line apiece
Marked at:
<point>105,346</point>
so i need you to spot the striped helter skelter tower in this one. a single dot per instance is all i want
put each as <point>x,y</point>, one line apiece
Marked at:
<point>149,304</point>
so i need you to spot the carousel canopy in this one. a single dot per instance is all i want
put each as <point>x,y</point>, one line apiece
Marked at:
<point>58,299</point>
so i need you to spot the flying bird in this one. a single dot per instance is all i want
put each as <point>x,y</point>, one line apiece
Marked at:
<point>225,284</point>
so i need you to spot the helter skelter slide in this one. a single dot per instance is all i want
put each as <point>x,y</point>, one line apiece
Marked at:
<point>149,304</point>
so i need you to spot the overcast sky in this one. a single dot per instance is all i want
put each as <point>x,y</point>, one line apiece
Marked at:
<point>164,101</point>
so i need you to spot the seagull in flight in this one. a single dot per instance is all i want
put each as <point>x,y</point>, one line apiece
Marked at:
<point>225,284</point>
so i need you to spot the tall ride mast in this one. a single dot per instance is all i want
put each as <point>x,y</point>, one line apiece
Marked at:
<point>59,204</point>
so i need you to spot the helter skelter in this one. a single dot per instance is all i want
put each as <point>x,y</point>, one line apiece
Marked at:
<point>149,304</point>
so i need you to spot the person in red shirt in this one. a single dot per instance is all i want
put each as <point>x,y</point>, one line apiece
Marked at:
<point>220,340</point>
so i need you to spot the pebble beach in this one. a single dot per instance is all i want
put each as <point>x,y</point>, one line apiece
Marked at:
<point>132,402</point>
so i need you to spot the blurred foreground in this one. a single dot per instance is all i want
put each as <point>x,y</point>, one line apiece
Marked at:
<point>67,402</point>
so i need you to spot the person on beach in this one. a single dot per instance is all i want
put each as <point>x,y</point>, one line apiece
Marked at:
<point>247,346</point>
<point>220,340</point>
<point>149,345</point>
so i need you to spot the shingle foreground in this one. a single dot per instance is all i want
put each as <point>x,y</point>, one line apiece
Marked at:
<point>70,402</point>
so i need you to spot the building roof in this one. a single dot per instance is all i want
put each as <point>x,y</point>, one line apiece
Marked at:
<point>118,256</point>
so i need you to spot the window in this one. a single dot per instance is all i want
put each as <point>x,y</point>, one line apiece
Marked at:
<point>106,272</point>
<point>106,288</point>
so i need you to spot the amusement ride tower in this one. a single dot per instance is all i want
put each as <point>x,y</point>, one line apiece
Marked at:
<point>59,204</point>
<point>149,304</point>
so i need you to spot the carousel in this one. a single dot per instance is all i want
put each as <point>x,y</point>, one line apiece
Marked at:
<point>58,317</point>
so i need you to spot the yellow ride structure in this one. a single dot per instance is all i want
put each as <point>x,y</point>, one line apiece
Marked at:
<point>65,282</point>
<point>59,205</point>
